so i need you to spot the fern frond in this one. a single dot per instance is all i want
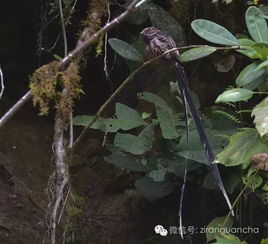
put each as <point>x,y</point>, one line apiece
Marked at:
<point>229,116</point>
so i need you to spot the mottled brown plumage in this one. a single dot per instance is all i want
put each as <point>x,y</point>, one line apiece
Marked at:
<point>157,43</point>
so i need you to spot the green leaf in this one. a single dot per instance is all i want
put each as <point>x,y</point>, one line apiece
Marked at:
<point>217,224</point>
<point>156,100</point>
<point>108,125</point>
<point>261,65</point>
<point>233,240</point>
<point>82,120</point>
<point>264,241</point>
<point>234,95</point>
<point>260,112</point>
<point>195,150</point>
<point>247,75</point>
<point>136,144</point>
<point>127,119</point>
<point>213,32</point>
<point>125,50</point>
<point>169,123</point>
<point>247,43</point>
<point>153,190</point>
<point>127,161</point>
<point>256,24</point>
<point>261,49</point>
<point>252,181</point>
<point>242,146</point>
<point>197,53</point>
<point>124,112</point>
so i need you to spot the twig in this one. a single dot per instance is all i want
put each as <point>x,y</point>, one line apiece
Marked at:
<point>2,83</point>
<point>61,159</point>
<point>63,29</point>
<point>105,68</point>
<point>72,55</point>
<point>129,79</point>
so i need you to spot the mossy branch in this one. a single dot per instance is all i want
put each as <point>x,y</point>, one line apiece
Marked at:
<point>74,54</point>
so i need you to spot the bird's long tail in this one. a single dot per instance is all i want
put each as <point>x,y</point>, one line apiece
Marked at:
<point>183,84</point>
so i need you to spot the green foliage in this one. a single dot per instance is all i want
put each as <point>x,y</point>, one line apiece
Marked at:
<point>136,144</point>
<point>234,95</point>
<point>126,119</point>
<point>229,239</point>
<point>125,160</point>
<point>248,75</point>
<point>252,180</point>
<point>213,32</point>
<point>242,146</point>
<point>256,24</point>
<point>195,151</point>
<point>260,112</point>
<point>169,120</point>
<point>197,53</point>
<point>153,190</point>
<point>217,225</point>
<point>125,50</point>
<point>264,241</point>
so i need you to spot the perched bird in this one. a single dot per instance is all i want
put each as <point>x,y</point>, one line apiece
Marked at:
<point>157,43</point>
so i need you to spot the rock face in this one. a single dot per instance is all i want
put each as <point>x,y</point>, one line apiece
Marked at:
<point>24,171</point>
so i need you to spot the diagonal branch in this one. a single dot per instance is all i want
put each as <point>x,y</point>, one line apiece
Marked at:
<point>130,78</point>
<point>2,83</point>
<point>74,54</point>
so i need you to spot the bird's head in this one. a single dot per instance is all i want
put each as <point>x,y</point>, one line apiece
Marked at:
<point>148,33</point>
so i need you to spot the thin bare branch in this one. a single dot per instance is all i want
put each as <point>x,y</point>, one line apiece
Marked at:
<point>130,78</point>
<point>1,83</point>
<point>72,55</point>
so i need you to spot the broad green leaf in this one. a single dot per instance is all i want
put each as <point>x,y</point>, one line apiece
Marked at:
<point>234,240</point>
<point>136,144</point>
<point>125,50</point>
<point>108,125</point>
<point>124,112</point>
<point>242,146</point>
<point>261,65</point>
<point>252,181</point>
<point>261,49</point>
<point>231,180</point>
<point>217,224</point>
<point>195,150</point>
<point>153,190</point>
<point>156,100</point>
<point>146,115</point>
<point>260,112</point>
<point>177,166</point>
<point>197,53</point>
<point>128,161</point>
<point>264,241</point>
<point>256,24</point>
<point>247,43</point>
<point>247,75</point>
<point>234,95</point>
<point>82,120</point>
<point>213,32</point>
<point>169,123</point>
